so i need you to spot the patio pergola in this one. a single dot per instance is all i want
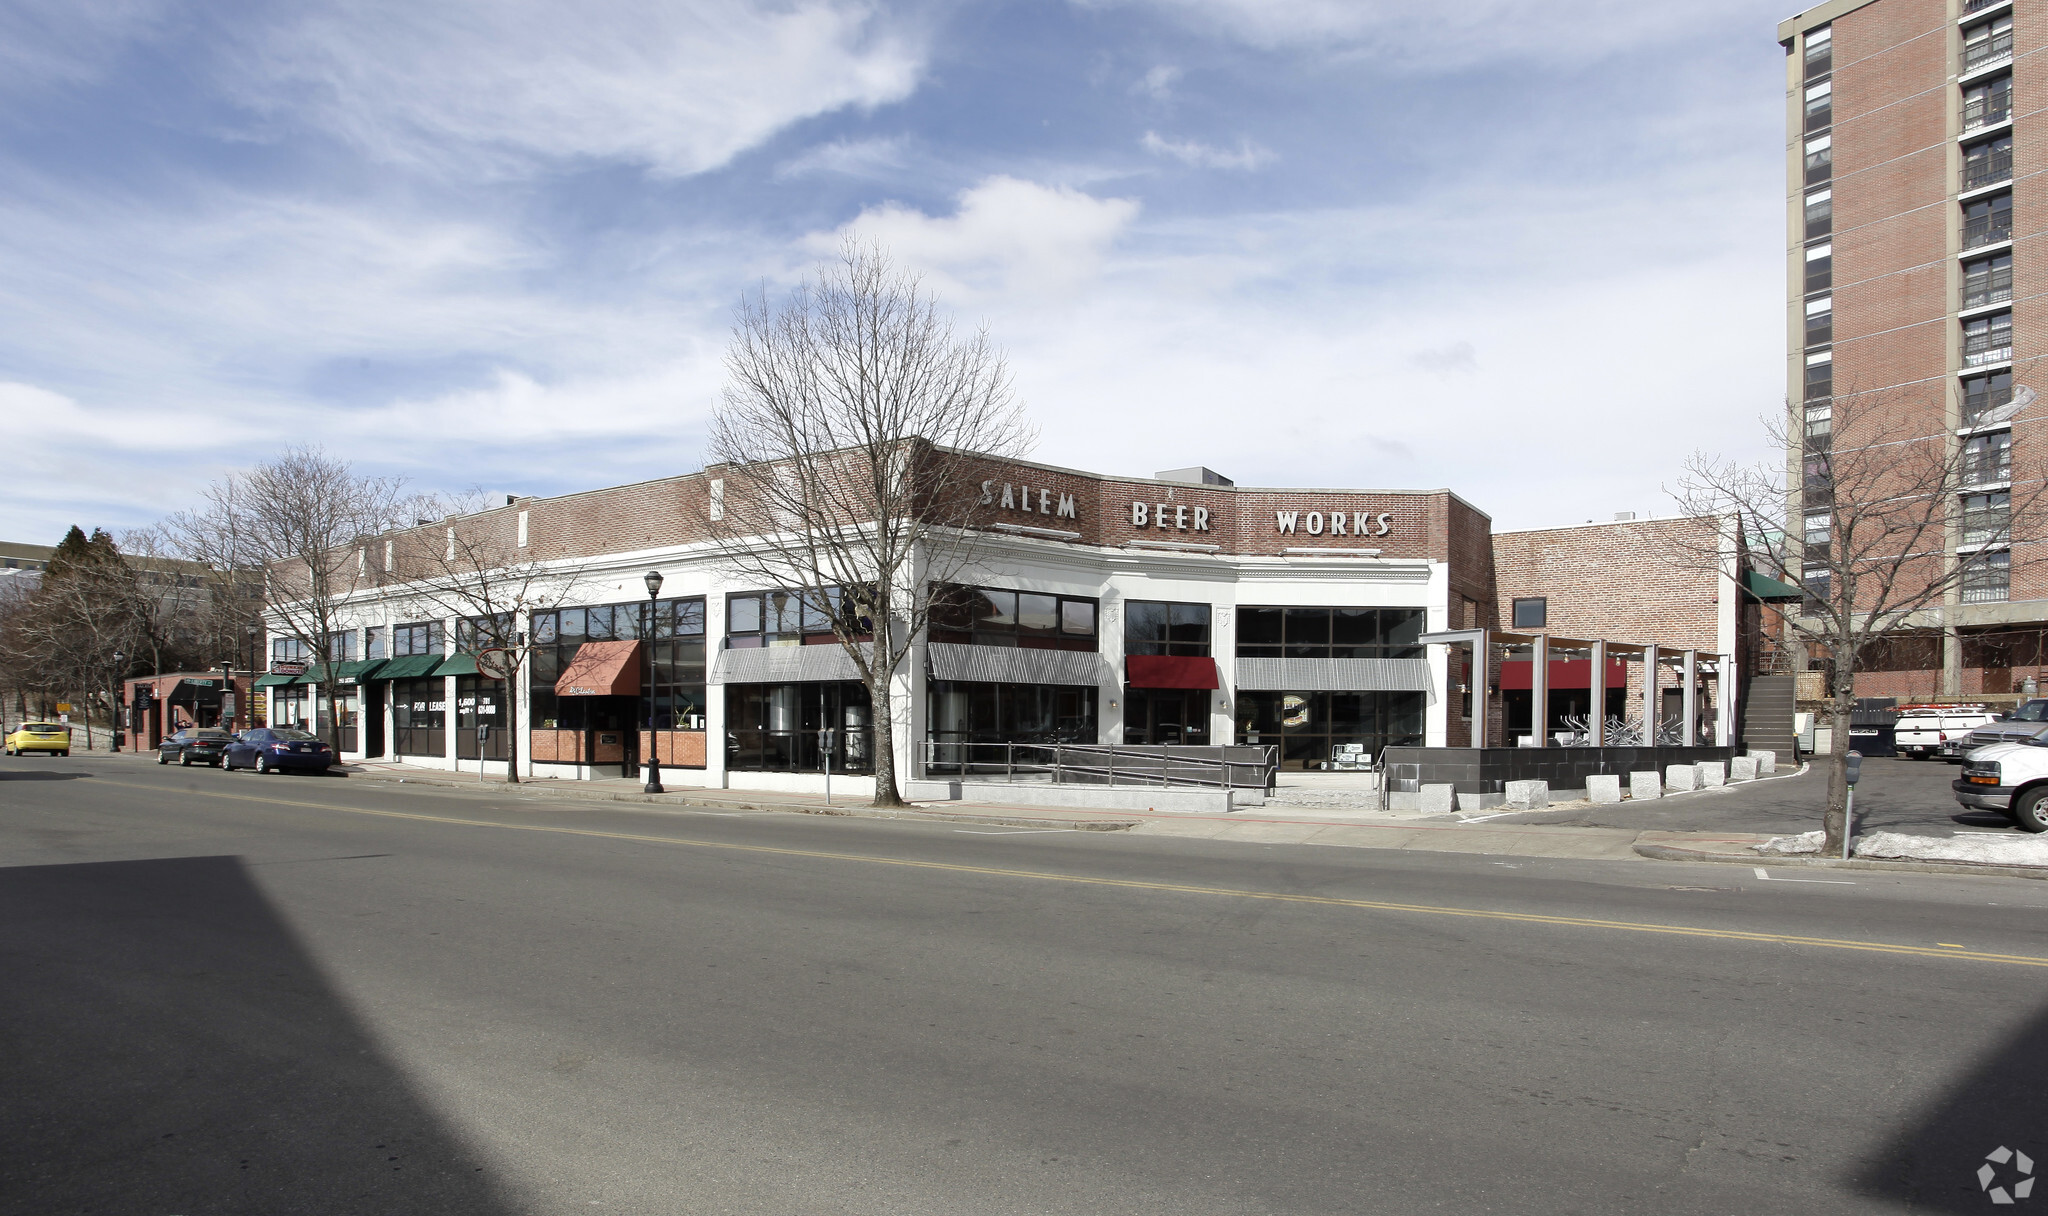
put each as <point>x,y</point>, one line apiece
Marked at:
<point>1690,667</point>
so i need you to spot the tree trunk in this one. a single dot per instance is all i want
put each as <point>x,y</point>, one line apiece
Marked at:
<point>1834,822</point>
<point>512,726</point>
<point>882,713</point>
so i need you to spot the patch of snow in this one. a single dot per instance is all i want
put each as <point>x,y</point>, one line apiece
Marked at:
<point>2013,850</point>
<point>1805,842</point>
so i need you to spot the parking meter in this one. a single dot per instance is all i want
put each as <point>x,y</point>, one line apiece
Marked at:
<point>1853,770</point>
<point>1855,766</point>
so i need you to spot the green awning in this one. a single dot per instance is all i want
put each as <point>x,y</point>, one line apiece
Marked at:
<point>272,681</point>
<point>457,665</point>
<point>316,673</point>
<point>1768,589</point>
<point>360,669</point>
<point>409,667</point>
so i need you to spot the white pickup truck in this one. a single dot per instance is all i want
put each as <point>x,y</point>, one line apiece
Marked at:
<point>1926,731</point>
<point>2008,777</point>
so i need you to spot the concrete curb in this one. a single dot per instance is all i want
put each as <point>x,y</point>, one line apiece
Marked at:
<point>1659,852</point>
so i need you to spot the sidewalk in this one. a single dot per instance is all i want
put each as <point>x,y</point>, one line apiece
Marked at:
<point>1267,825</point>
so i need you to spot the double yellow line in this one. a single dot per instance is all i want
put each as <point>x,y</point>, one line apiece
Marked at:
<point>1325,901</point>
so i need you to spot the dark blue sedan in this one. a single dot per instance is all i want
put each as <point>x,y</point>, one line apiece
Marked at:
<point>268,749</point>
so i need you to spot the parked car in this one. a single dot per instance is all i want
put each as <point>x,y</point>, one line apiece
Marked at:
<point>1926,731</point>
<point>2029,720</point>
<point>268,749</point>
<point>2008,777</point>
<point>196,746</point>
<point>40,737</point>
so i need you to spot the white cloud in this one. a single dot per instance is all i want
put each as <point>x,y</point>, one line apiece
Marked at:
<point>1201,156</point>
<point>1007,236</point>
<point>1427,36</point>
<point>1158,82</point>
<point>868,158</point>
<point>494,85</point>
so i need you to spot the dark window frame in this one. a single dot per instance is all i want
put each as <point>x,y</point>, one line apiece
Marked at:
<point>1541,612</point>
<point>975,616</point>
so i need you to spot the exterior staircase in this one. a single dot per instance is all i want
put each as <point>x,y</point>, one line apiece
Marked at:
<point>1767,717</point>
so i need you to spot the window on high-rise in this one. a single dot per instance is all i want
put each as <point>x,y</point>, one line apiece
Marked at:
<point>1987,459</point>
<point>1820,214</point>
<point>1817,525</point>
<point>1819,424</point>
<point>1987,577</point>
<point>1820,266</point>
<point>1820,51</point>
<point>1987,281</point>
<point>1987,339</point>
<point>1987,104</point>
<point>1820,375</point>
<point>1987,162</point>
<point>1820,105</point>
<point>1820,159</point>
<point>1987,519</point>
<point>1986,221</point>
<point>1987,42</point>
<point>1985,393</point>
<point>1820,321</point>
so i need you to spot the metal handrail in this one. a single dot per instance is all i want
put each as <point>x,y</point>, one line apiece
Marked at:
<point>1978,54</point>
<point>1988,231</point>
<point>1984,170</point>
<point>1154,766</point>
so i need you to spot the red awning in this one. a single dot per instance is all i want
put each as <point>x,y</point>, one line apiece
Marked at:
<point>602,669</point>
<point>1170,671</point>
<point>1564,673</point>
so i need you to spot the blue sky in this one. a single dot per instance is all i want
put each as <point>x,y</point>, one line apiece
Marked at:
<point>1527,251</point>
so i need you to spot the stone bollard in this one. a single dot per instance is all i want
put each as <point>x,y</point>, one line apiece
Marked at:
<point>1681,777</point>
<point>1603,787</point>
<point>1528,795</point>
<point>1437,799</point>
<point>1766,763</point>
<point>1712,774</point>
<point>1645,785</point>
<point>1742,768</point>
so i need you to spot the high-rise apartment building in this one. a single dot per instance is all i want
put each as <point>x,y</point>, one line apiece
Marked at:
<point>1915,206</point>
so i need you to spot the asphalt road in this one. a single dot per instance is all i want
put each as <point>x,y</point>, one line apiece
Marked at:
<point>1891,795</point>
<point>223,993</point>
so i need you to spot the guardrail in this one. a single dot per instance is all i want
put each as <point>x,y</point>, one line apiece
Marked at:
<point>1156,766</point>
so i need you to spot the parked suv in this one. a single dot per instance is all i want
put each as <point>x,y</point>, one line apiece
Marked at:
<point>2029,720</point>
<point>1926,731</point>
<point>2009,777</point>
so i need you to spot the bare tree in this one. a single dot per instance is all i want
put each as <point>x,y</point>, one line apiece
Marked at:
<point>853,432</point>
<point>1884,525</point>
<point>303,520</point>
<point>477,571</point>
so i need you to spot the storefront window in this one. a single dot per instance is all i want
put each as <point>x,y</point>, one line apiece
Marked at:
<point>963,714</point>
<point>989,616</point>
<point>344,710</point>
<point>1155,628</point>
<point>419,716</point>
<point>1329,633</point>
<point>780,727</point>
<point>480,702</point>
<point>677,691</point>
<point>1313,728</point>
<point>475,634</point>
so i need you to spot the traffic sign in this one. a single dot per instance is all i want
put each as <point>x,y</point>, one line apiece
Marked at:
<point>496,664</point>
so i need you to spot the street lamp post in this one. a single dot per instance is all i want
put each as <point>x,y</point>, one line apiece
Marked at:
<point>653,786</point>
<point>113,710</point>
<point>230,704</point>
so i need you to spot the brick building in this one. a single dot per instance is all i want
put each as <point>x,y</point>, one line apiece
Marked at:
<point>1174,609</point>
<point>1913,207</point>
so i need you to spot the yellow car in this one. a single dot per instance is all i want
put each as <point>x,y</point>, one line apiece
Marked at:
<point>40,737</point>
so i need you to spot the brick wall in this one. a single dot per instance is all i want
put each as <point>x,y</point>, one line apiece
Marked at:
<point>1629,582</point>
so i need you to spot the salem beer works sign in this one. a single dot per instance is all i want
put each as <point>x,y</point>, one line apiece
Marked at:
<point>1026,499</point>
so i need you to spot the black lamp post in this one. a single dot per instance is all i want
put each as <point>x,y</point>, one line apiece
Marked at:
<point>653,786</point>
<point>114,710</point>
<point>230,704</point>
